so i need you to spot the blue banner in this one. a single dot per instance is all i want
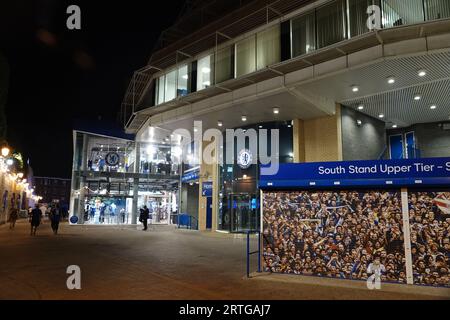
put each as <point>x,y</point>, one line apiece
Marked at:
<point>405,172</point>
<point>207,188</point>
<point>191,176</point>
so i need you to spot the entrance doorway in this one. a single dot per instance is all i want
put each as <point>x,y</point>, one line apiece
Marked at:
<point>244,215</point>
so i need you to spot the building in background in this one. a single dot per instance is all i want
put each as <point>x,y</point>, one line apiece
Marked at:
<point>53,190</point>
<point>335,89</point>
<point>114,176</point>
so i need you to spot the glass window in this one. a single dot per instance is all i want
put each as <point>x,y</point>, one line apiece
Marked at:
<point>170,87</point>
<point>331,24</point>
<point>224,64</point>
<point>183,81</point>
<point>268,47</point>
<point>160,90</point>
<point>245,56</point>
<point>437,9</point>
<point>204,72</point>
<point>303,34</point>
<point>397,13</point>
<point>358,15</point>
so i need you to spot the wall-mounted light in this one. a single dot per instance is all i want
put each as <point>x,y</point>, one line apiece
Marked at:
<point>276,110</point>
<point>358,122</point>
<point>244,118</point>
<point>219,123</point>
<point>381,116</point>
<point>394,126</point>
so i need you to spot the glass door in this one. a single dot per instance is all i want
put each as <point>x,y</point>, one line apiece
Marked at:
<point>244,216</point>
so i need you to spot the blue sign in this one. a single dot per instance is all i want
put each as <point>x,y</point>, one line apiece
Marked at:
<point>406,172</point>
<point>74,219</point>
<point>191,176</point>
<point>207,188</point>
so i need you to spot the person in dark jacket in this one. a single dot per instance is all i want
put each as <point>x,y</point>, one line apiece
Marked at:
<point>35,219</point>
<point>55,218</point>
<point>13,215</point>
<point>145,213</point>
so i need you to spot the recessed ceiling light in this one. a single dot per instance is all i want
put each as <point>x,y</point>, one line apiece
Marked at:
<point>244,118</point>
<point>422,73</point>
<point>417,97</point>
<point>276,110</point>
<point>219,123</point>
<point>394,126</point>
<point>381,116</point>
<point>391,80</point>
<point>355,88</point>
<point>360,107</point>
<point>433,107</point>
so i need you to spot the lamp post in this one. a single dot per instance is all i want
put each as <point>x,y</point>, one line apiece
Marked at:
<point>5,151</point>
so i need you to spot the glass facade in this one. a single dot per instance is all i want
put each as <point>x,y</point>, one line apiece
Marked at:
<point>245,56</point>
<point>170,87</point>
<point>437,9</point>
<point>268,48</point>
<point>204,72</point>
<point>183,81</point>
<point>331,23</point>
<point>358,14</point>
<point>238,193</point>
<point>108,174</point>
<point>303,34</point>
<point>225,64</point>
<point>318,28</point>
<point>398,13</point>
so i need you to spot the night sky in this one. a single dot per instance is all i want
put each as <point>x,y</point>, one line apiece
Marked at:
<point>58,75</point>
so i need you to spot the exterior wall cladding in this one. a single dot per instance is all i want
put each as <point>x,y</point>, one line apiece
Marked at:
<point>431,139</point>
<point>364,142</point>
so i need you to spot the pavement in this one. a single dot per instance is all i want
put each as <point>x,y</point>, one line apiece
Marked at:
<point>161,263</point>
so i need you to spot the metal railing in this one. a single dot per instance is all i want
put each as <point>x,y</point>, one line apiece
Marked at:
<point>187,221</point>
<point>249,253</point>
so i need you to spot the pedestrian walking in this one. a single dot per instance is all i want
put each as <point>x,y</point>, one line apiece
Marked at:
<point>55,218</point>
<point>144,217</point>
<point>13,215</point>
<point>35,219</point>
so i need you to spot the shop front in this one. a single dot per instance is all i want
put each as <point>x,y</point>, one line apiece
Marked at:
<point>356,220</point>
<point>238,182</point>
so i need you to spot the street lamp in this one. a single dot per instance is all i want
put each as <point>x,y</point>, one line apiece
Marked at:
<point>5,152</point>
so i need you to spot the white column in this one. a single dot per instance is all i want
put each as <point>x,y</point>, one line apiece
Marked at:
<point>407,237</point>
<point>137,162</point>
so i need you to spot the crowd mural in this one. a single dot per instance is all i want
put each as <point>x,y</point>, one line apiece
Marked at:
<point>344,234</point>
<point>429,214</point>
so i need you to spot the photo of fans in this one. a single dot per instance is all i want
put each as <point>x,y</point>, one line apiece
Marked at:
<point>338,234</point>
<point>429,214</point>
